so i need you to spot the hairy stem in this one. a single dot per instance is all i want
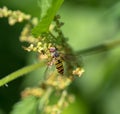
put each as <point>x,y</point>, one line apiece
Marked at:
<point>20,72</point>
<point>99,48</point>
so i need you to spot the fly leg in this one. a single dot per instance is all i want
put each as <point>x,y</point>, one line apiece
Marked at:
<point>49,68</point>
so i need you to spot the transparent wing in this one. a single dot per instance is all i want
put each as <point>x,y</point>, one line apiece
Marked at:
<point>49,70</point>
<point>71,58</point>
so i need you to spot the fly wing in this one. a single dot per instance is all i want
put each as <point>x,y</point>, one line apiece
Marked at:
<point>49,70</point>
<point>71,58</point>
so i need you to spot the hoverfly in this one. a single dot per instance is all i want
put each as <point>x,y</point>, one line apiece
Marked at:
<point>56,60</point>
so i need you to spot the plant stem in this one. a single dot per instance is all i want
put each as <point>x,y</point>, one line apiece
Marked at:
<point>99,48</point>
<point>20,72</point>
<point>45,99</point>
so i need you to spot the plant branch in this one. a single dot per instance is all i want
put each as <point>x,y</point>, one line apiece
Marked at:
<point>45,99</point>
<point>99,48</point>
<point>20,72</point>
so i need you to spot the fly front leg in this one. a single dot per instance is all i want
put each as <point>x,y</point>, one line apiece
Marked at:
<point>51,62</point>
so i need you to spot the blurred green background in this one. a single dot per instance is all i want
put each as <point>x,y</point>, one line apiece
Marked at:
<point>87,23</point>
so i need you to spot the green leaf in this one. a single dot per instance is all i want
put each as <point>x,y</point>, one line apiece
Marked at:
<point>26,106</point>
<point>49,9</point>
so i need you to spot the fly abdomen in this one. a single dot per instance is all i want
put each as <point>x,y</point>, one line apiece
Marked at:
<point>59,66</point>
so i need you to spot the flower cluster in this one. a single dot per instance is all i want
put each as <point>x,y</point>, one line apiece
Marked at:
<point>58,82</point>
<point>62,103</point>
<point>26,35</point>
<point>78,71</point>
<point>37,92</point>
<point>13,16</point>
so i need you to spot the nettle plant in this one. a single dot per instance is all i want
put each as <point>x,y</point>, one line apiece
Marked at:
<point>46,38</point>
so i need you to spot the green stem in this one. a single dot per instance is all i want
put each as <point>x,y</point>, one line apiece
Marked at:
<point>62,99</point>
<point>20,72</point>
<point>45,99</point>
<point>99,48</point>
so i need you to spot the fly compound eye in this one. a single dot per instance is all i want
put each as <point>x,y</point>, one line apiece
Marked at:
<point>52,49</point>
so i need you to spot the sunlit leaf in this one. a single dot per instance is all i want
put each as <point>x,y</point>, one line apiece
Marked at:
<point>49,9</point>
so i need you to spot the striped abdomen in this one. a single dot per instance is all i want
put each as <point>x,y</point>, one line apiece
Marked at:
<point>59,65</point>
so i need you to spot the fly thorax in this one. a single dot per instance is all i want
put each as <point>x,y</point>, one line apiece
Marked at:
<point>56,54</point>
